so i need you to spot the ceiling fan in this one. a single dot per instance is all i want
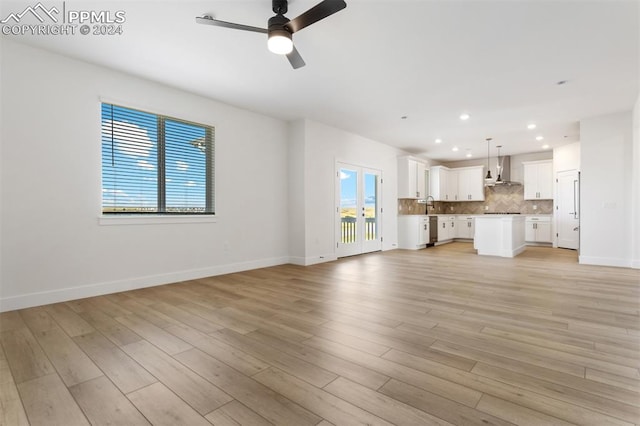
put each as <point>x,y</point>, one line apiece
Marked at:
<point>280,28</point>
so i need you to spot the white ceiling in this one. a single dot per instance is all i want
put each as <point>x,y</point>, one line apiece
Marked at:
<point>376,61</point>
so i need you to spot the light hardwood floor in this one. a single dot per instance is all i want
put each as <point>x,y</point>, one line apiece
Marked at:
<point>438,336</point>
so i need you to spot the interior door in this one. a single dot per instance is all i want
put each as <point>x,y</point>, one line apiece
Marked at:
<point>358,210</point>
<point>568,209</point>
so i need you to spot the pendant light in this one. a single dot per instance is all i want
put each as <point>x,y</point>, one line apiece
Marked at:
<point>488,179</point>
<point>499,167</point>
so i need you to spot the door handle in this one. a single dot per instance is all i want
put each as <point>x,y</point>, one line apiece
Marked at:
<point>575,202</point>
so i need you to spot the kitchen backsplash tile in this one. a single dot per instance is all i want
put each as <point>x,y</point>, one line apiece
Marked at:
<point>497,198</point>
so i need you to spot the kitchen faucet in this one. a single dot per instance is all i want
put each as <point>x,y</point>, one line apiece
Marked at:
<point>430,204</point>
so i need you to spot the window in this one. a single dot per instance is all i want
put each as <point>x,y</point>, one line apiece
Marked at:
<point>155,164</point>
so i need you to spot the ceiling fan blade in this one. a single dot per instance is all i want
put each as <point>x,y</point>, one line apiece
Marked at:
<point>208,20</point>
<point>295,59</point>
<point>319,11</point>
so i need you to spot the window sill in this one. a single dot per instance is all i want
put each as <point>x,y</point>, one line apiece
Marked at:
<point>154,219</point>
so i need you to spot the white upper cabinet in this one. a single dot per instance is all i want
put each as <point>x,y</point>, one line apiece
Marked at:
<point>421,186</point>
<point>538,180</point>
<point>439,182</point>
<point>471,183</point>
<point>463,184</point>
<point>452,185</point>
<point>411,178</point>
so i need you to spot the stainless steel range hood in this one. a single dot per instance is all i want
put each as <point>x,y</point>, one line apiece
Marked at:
<point>503,172</point>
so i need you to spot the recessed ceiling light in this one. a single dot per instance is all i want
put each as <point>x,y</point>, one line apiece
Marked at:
<point>464,116</point>
<point>469,155</point>
<point>539,138</point>
<point>454,149</point>
<point>545,146</point>
<point>531,126</point>
<point>438,140</point>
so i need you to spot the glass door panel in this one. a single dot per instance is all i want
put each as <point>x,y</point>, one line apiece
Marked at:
<point>358,219</point>
<point>348,206</point>
<point>370,205</point>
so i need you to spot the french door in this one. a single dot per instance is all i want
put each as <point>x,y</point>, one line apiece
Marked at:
<point>358,210</point>
<point>568,209</point>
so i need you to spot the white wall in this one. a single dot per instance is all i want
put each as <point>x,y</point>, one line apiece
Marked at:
<point>606,190</point>
<point>566,157</point>
<point>53,247</point>
<point>636,186</point>
<point>1,143</point>
<point>323,147</point>
<point>297,182</point>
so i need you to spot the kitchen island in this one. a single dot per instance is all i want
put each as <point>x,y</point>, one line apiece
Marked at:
<point>499,235</point>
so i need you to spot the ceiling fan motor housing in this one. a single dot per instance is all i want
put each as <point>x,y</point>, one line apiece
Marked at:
<point>279,7</point>
<point>277,26</point>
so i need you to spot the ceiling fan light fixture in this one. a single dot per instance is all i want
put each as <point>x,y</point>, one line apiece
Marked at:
<point>280,28</point>
<point>280,42</point>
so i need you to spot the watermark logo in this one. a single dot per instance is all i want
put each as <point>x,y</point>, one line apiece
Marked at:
<point>62,20</point>
<point>38,11</point>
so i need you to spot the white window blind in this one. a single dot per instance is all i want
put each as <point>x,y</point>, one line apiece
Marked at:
<point>155,164</point>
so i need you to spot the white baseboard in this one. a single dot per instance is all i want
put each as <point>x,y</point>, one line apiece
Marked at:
<point>296,260</point>
<point>635,264</point>
<point>312,260</point>
<point>604,261</point>
<point>60,295</point>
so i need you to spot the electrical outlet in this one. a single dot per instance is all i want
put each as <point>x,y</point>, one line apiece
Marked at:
<point>535,207</point>
<point>451,207</point>
<point>486,208</point>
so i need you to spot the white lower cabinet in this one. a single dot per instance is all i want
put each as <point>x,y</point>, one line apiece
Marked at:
<point>446,228</point>
<point>538,229</point>
<point>413,231</point>
<point>465,227</point>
